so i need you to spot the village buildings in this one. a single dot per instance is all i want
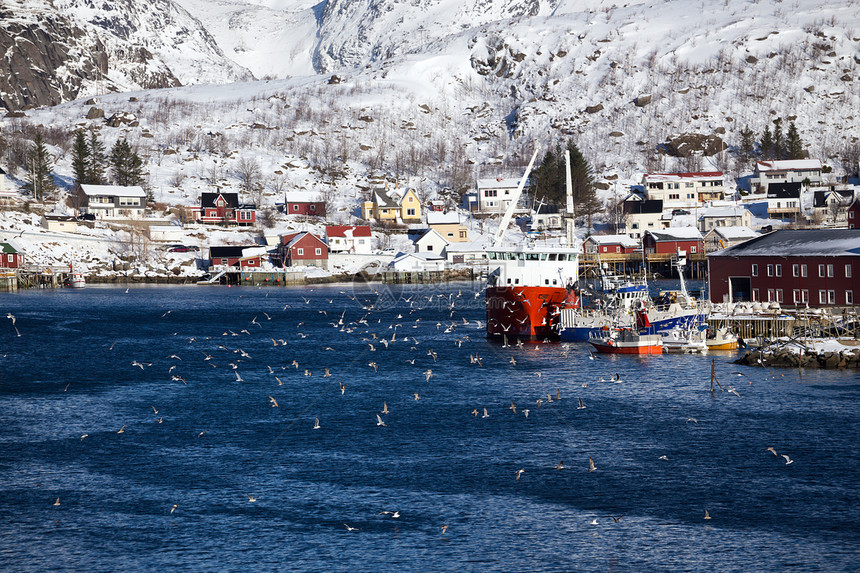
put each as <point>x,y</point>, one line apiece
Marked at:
<point>355,239</point>
<point>303,249</point>
<point>393,206</point>
<point>679,190</point>
<point>110,201</point>
<point>306,203</point>
<point>224,209</point>
<point>804,267</point>
<point>805,171</point>
<point>496,194</point>
<point>448,225</point>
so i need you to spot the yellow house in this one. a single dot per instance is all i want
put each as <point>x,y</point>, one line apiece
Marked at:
<point>398,206</point>
<point>448,225</point>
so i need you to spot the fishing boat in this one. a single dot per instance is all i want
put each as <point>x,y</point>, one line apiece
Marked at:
<point>721,339</point>
<point>684,340</point>
<point>626,341</point>
<point>76,277</point>
<point>528,284</point>
<point>626,303</point>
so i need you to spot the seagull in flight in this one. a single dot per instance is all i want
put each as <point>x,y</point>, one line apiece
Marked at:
<point>251,498</point>
<point>788,460</point>
<point>519,473</point>
<point>581,405</point>
<point>274,402</point>
<point>348,528</point>
<point>316,423</point>
<point>707,515</point>
<point>591,466</point>
<point>379,421</point>
<point>771,450</point>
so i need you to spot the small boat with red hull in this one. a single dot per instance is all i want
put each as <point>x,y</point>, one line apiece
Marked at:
<point>627,341</point>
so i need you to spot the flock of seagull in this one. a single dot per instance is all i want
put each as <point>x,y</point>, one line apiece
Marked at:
<point>376,338</point>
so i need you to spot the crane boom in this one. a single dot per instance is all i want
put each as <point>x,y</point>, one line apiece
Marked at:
<point>509,212</point>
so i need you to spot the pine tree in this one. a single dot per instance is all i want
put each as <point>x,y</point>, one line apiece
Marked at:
<point>747,141</point>
<point>39,179</point>
<point>80,157</point>
<point>126,165</point>
<point>778,144</point>
<point>550,181</point>
<point>793,143</point>
<point>766,143</point>
<point>96,166</point>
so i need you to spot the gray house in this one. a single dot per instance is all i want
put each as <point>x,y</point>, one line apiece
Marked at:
<point>111,201</point>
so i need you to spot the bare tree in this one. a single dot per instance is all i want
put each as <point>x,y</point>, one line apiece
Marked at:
<point>250,175</point>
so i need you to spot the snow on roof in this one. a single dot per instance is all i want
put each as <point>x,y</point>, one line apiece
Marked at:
<point>735,233</point>
<point>799,243</point>
<point>303,197</point>
<point>499,183</point>
<point>789,164</point>
<point>654,177</point>
<point>347,231</point>
<point>623,240</point>
<point>254,252</point>
<point>437,218</point>
<point>113,190</point>
<point>676,233</point>
<point>722,212</point>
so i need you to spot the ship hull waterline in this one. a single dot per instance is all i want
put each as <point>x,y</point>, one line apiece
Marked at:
<point>524,313</point>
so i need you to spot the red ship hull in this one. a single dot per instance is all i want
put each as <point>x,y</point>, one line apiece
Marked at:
<point>526,312</point>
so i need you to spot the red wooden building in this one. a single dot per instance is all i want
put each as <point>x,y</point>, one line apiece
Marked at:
<point>854,215</point>
<point>670,241</point>
<point>303,249</point>
<point>247,256</point>
<point>224,208</point>
<point>10,257</point>
<point>610,244</point>
<point>815,267</point>
<point>304,203</point>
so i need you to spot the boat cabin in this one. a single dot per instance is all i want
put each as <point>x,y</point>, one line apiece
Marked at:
<point>519,266</point>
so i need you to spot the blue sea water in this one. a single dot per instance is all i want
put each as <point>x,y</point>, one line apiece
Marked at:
<point>215,440</point>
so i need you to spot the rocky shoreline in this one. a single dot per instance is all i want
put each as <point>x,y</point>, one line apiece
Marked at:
<point>785,358</point>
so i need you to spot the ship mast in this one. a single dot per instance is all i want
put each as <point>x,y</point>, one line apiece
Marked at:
<point>569,220</point>
<point>509,212</point>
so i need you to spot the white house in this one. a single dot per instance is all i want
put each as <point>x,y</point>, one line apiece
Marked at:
<point>54,222</point>
<point>642,216</point>
<point>418,262</point>
<point>448,225</point>
<point>732,216</point>
<point>349,239</point>
<point>495,195</point>
<point>684,189</point>
<point>788,171</point>
<point>472,253</point>
<point>112,201</point>
<point>428,241</point>
<point>723,237</point>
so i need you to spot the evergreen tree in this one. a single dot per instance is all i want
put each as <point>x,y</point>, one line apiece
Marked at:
<point>747,142</point>
<point>766,143</point>
<point>126,164</point>
<point>793,143</point>
<point>550,179</point>
<point>39,167</point>
<point>778,143</point>
<point>80,157</point>
<point>96,166</point>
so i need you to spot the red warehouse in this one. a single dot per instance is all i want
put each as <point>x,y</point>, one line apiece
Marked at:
<point>818,267</point>
<point>670,241</point>
<point>249,256</point>
<point>303,249</point>
<point>609,244</point>
<point>304,203</point>
<point>224,208</point>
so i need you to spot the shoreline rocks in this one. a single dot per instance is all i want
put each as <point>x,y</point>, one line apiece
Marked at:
<point>782,358</point>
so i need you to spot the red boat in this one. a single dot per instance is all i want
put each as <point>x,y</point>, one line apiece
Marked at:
<point>627,341</point>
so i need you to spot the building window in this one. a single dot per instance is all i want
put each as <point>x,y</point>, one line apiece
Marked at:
<point>831,297</point>
<point>295,207</point>
<point>820,271</point>
<point>848,271</point>
<point>779,270</point>
<point>755,297</point>
<point>754,270</point>
<point>795,270</point>
<point>779,295</point>
<point>770,270</point>
<point>491,193</point>
<point>318,251</point>
<point>803,271</point>
<point>795,296</point>
<point>313,207</point>
<point>849,297</point>
<point>429,247</point>
<point>617,249</point>
<point>770,295</point>
<point>829,270</point>
<point>300,251</point>
<point>822,297</point>
<point>410,212</point>
<point>692,248</point>
<point>804,296</point>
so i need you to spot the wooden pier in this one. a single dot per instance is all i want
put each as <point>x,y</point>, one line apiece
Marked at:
<point>34,277</point>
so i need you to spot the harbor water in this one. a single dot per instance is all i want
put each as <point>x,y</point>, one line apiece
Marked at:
<point>174,428</point>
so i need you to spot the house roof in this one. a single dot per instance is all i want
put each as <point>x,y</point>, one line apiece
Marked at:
<point>819,198</point>
<point>799,243</point>
<point>787,165</point>
<point>712,212</point>
<point>208,199</point>
<point>55,217</point>
<point>291,239</point>
<point>347,231</point>
<point>303,197</point>
<point>228,251</point>
<point>623,240</point>
<point>439,218</point>
<point>386,199</point>
<point>647,206</point>
<point>113,190</point>
<point>676,234</point>
<point>734,233</point>
<point>8,249</point>
<point>654,177</point>
<point>500,183</point>
<point>784,190</point>
<point>421,234</point>
<point>546,210</point>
